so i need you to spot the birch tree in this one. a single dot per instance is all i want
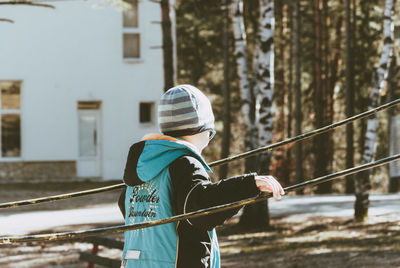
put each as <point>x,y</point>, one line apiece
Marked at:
<point>249,216</point>
<point>265,83</point>
<point>393,130</point>
<point>256,215</point>
<point>243,74</point>
<point>362,182</point>
<point>265,79</point>
<point>349,97</point>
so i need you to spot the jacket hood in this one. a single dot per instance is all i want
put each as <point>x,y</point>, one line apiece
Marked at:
<point>160,151</point>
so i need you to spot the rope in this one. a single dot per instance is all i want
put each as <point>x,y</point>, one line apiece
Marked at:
<point>307,134</point>
<point>216,163</point>
<point>191,215</point>
<point>61,196</point>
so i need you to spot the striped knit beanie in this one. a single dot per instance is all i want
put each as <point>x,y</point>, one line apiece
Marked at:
<point>184,110</point>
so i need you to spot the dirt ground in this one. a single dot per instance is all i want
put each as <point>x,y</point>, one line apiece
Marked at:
<point>292,241</point>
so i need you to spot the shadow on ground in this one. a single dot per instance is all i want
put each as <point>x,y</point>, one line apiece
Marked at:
<point>306,239</point>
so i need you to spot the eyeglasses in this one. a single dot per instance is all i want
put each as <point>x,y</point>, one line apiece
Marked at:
<point>212,134</point>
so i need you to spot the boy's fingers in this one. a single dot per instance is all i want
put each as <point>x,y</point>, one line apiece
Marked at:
<point>278,185</point>
<point>270,184</point>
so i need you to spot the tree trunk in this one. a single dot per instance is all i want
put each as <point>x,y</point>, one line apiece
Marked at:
<point>290,74</point>
<point>393,130</point>
<point>252,162</point>
<point>332,51</point>
<point>321,145</point>
<point>167,41</point>
<point>223,171</point>
<point>265,82</point>
<point>329,69</point>
<point>249,212</point>
<point>349,99</point>
<point>278,166</point>
<point>297,93</point>
<point>362,181</point>
<point>243,73</point>
<point>289,105</point>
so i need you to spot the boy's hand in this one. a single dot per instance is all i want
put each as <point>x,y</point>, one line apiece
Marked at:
<point>270,184</point>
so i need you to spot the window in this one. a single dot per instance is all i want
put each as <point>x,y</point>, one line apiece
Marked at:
<point>131,46</point>
<point>146,112</point>
<point>10,123</point>
<point>131,36</point>
<point>130,14</point>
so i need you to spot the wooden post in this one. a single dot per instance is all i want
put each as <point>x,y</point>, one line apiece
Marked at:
<point>95,250</point>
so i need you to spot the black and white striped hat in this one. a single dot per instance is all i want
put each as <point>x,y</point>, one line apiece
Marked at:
<point>184,110</point>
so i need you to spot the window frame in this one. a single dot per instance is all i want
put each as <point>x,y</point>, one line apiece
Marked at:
<point>12,111</point>
<point>132,30</point>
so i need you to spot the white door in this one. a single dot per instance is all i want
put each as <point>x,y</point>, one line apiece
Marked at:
<point>89,161</point>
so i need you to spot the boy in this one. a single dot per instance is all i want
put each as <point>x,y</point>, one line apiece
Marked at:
<point>166,176</point>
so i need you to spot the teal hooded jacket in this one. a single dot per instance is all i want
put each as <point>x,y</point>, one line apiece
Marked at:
<point>166,177</point>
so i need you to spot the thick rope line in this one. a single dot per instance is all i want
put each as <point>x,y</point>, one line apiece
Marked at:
<point>61,196</point>
<point>216,163</point>
<point>307,134</point>
<point>191,215</point>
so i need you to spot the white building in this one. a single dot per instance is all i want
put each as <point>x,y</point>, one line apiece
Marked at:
<point>79,84</point>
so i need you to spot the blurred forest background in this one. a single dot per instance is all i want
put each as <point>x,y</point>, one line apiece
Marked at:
<point>277,68</point>
<point>200,40</point>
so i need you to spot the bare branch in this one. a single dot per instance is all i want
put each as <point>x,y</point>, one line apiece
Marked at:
<point>6,20</point>
<point>27,3</point>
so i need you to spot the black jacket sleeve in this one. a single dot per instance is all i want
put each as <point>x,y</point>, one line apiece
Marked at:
<point>193,190</point>
<point>130,174</point>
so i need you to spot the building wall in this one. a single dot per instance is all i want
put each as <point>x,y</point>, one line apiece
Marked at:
<point>74,53</point>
